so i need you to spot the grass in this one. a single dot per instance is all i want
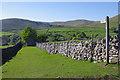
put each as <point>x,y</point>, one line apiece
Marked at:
<point>6,46</point>
<point>101,31</point>
<point>68,32</point>
<point>5,33</point>
<point>32,62</point>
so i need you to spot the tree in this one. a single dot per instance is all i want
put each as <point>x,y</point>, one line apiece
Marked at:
<point>42,37</point>
<point>80,36</point>
<point>29,36</point>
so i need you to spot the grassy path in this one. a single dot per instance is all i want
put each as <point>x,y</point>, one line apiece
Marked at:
<point>32,62</point>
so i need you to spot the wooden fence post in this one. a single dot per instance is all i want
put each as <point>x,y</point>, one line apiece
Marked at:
<point>92,50</point>
<point>107,40</point>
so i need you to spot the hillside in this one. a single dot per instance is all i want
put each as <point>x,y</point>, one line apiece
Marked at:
<point>20,24</point>
<point>75,23</point>
<point>113,22</point>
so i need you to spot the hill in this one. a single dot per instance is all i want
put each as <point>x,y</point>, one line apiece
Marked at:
<point>20,24</point>
<point>113,22</point>
<point>75,23</point>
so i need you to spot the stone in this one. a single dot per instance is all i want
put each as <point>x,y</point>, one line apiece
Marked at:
<point>82,50</point>
<point>95,62</point>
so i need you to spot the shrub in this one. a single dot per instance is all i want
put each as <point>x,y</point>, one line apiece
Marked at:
<point>29,35</point>
<point>81,35</point>
<point>42,37</point>
<point>74,38</point>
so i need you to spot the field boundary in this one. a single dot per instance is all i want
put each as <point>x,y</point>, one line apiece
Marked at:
<point>84,50</point>
<point>9,52</point>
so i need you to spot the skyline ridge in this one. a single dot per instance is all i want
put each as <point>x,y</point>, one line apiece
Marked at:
<point>56,21</point>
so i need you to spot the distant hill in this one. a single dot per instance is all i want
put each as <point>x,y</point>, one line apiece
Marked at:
<point>75,23</point>
<point>19,24</point>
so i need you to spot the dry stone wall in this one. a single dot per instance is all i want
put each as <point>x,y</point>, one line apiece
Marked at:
<point>8,53</point>
<point>84,50</point>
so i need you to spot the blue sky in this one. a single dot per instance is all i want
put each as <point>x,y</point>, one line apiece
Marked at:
<point>59,11</point>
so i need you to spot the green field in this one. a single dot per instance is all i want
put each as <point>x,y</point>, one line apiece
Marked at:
<point>67,33</point>
<point>62,34</point>
<point>5,33</point>
<point>32,62</point>
<point>87,30</point>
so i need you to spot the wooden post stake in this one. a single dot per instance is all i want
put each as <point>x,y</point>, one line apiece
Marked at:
<point>107,40</point>
<point>92,50</point>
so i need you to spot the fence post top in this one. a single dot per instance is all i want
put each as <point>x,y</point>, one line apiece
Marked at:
<point>107,16</point>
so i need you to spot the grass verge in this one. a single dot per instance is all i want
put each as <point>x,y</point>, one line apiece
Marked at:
<point>32,62</point>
